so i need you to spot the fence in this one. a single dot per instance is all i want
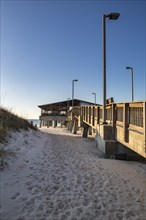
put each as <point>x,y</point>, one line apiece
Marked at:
<point>128,121</point>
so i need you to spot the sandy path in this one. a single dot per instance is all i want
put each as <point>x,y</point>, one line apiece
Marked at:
<point>59,177</point>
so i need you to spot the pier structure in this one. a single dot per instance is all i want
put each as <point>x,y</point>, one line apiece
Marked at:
<point>123,133</point>
<point>56,113</point>
<point>125,127</point>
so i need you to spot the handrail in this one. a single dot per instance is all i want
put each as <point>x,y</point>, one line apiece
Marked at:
<point>128,121</point>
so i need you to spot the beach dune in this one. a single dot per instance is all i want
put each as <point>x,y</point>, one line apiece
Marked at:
<point>55,175</point>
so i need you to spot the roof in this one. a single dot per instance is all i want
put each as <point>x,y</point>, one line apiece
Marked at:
<point>61,106</point>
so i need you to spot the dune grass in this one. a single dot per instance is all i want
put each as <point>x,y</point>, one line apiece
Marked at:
<point>9,121</point>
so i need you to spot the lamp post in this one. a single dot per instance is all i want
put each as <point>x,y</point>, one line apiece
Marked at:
<point>95,96</point>
<point>74,80</point>
<point>111,16</point>
<point>132,88</point>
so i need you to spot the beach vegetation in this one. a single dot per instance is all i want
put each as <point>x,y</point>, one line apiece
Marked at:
<point>10,122</point>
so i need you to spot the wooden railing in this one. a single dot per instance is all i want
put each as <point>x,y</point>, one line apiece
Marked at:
<point>128,121</point>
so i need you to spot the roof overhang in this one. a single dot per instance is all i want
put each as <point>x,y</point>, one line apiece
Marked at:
<point>62,106</point>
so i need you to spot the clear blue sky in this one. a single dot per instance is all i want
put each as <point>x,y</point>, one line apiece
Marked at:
<point>47,44</point>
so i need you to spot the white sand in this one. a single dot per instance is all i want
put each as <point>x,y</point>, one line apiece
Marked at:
<point>59,176</point>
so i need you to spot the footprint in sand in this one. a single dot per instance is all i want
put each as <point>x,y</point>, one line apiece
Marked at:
<point>30,202</point>
<point>28,183</point>
<point>15,196</point>
<point>30,187</point>
<point>31,167</point>
<point>23,199</point>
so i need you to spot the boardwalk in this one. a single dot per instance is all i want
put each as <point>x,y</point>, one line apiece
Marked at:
<point>61,176</point>
<point>122,133</point>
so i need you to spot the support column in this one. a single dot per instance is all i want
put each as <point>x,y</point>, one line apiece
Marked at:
<point>85,130</point>
<point>40,123</point>
<point>55,124</point>
<point>75,126</point>
<point>50,123</point>
<point>45,123</point>
<point>79,121</point>
<point>70,125</point>
<point>90,130</point>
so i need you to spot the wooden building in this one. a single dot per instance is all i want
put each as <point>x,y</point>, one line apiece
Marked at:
<point>56,113</point>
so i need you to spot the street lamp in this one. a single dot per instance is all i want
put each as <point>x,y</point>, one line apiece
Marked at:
<point>95,96</point>
<point>132,88</point>
<point>111,16</point>
<point>75,80</point>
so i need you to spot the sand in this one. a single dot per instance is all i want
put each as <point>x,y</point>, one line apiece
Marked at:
<point>55,175</point>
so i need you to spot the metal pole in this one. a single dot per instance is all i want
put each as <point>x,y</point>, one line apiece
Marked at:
<point>72,93</point>
<point>95,98</point>
<point>132,84</point>
<point>75,80</point>
<point>104,67</point>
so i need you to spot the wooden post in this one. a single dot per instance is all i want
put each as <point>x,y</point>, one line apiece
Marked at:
<point>98,115</point>
<point>83,112</point>
<point>55,124</point>
<point>75,126</point>
<point>40,123</point>
<point>50,123</point>
<point>85,130</point>
<point>114,118</point>
<point>88,114</point>
<point>125,122</point>
<point>93,116</point>
<point>90,130</point>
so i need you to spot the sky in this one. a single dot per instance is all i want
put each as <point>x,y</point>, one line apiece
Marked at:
<point>47,44</point>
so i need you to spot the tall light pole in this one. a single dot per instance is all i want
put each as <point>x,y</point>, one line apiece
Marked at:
<point>111,16</point>
<point>132,87</point>
<point>95,96</point>
<point>74,80</point>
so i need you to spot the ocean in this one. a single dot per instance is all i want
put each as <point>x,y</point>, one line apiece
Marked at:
<point>35,121</point>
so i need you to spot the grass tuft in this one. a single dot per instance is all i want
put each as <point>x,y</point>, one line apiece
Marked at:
<point>10,121</point>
